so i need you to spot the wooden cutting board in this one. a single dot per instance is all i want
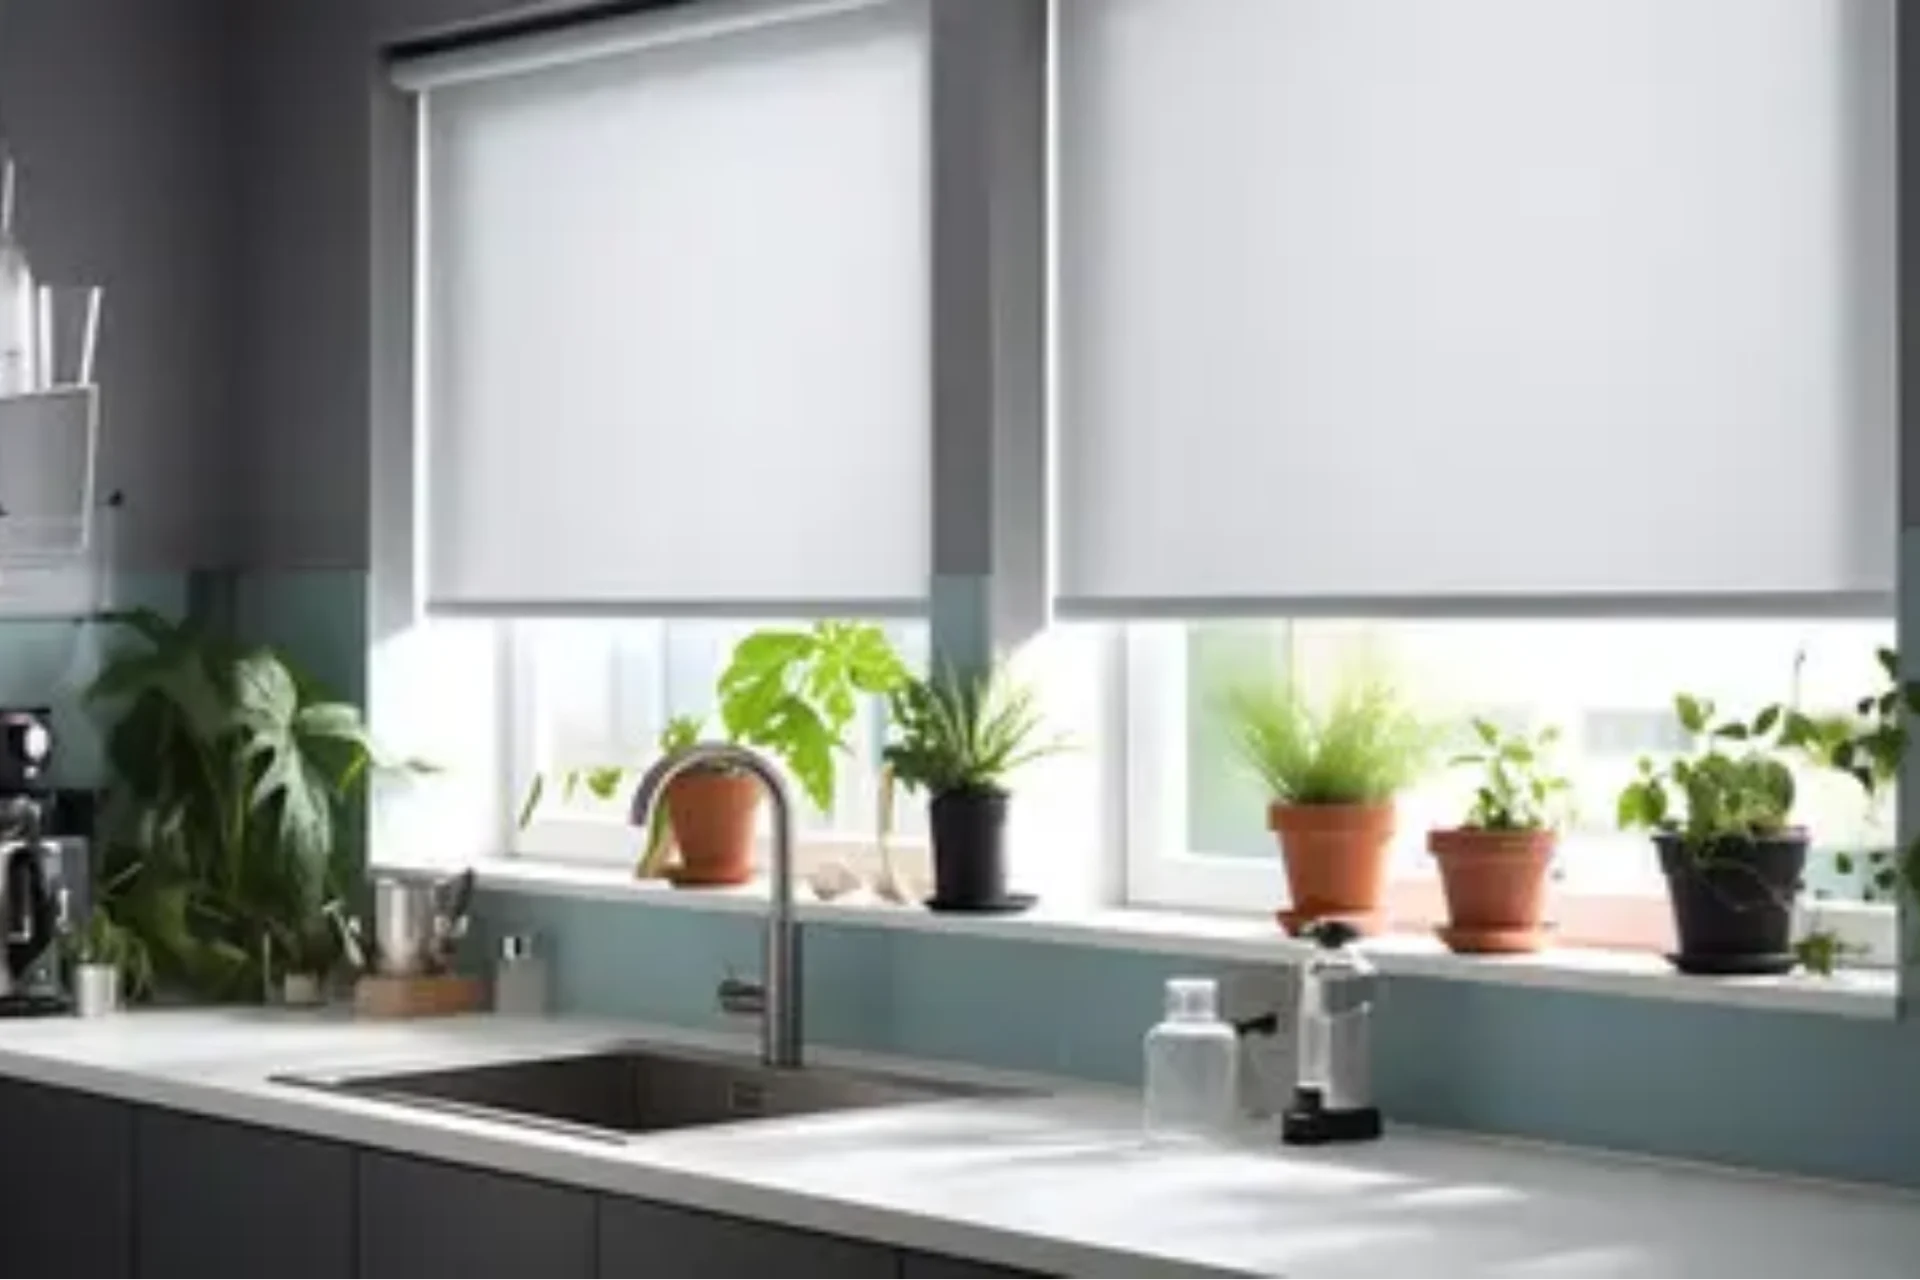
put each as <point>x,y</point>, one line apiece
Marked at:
<point>427,995</point>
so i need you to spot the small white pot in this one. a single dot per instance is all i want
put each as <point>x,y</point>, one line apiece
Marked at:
<point>96,990</point>
<point>302,989</point>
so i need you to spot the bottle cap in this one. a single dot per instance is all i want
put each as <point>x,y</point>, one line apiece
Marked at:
<point>1192,999</point>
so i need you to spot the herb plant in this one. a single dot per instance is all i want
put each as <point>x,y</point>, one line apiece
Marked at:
<point>795,693</point>
<point>1868,746</point>
<point>235,780</point>
<point>1363,746</point>
<point>958,732</point>
<point>1734,787</point>
<point>104,941</point>
<point>1517,790</point>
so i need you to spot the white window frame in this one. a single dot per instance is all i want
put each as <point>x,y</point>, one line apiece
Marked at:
<point>1162,872</point>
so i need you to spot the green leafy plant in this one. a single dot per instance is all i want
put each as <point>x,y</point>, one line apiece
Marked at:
<point>795,693</point>
<point>1868,746</point>
<point>1517,790</point>
<point>1364,745</point>
<point>1734,786</point>
<point>234,784</point>
<point>958,732</point>
<point>104,941</point>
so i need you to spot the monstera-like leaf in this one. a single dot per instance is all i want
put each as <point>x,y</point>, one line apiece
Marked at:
<point>303,758</point>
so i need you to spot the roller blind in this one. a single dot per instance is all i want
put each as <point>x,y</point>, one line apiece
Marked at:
<point>1583,302</point>
<point>675,325</point>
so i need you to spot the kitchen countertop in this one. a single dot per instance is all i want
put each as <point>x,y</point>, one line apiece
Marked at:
<point>1061,1184</point>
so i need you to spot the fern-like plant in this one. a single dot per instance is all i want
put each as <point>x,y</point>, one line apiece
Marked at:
<point>958,732</point>
<point>1363,745</point>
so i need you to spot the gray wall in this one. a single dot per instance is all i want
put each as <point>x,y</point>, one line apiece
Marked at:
<point>305,69</point>
<point>118,114</point>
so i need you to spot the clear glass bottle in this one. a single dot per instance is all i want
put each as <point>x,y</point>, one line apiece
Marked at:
<point>1193,1065</point>
<point>19,365</point>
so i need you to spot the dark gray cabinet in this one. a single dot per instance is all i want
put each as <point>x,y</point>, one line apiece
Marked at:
<point>66,1183</point>
<point>219,1199</point>
<point>935,1266</point>
<point>642,1239</point>
<point>108,1189</point>
<point>421,1218</point>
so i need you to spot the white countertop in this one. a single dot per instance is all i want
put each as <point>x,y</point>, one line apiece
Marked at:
<point>1060,1184</point>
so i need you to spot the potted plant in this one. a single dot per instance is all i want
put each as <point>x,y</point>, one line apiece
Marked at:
<point>793,694</point>
<point>106,960</point>
<point>1721,820</point>
<point>237,787</point>
<point>959,738</point>
<point>710,812</point>
<point>307,952</point>
<point>1331,773</point>
<point>1493,866</point>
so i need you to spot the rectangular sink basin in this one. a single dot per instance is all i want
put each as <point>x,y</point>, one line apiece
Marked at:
<point>615,1094</point>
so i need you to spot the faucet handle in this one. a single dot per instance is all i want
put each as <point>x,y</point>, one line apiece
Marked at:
<point>742,996</point>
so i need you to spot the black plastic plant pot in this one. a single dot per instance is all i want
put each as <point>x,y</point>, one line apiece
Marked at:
<point>1733,901</point>
<point>969,849</point>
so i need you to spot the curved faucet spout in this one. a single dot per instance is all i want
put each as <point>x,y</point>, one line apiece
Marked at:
<point>780,1028</point>
<point>653,783</point>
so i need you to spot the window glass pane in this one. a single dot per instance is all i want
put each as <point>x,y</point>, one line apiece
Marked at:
<point>595,694</point>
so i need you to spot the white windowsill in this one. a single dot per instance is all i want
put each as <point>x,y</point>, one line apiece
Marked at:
<point>1857,993</point>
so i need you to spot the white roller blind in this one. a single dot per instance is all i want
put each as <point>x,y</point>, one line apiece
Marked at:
<point>1396,300</point>
<point>675,331</point>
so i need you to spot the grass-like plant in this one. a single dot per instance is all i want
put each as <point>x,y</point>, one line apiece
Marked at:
<point>1362,745</point>
<point>960,732</point>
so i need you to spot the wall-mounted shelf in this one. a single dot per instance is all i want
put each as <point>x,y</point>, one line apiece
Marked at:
<point>52,556</point>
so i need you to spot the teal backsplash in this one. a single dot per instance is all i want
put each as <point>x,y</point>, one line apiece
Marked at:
<point>49,662</point>
<point>1803,1093</point>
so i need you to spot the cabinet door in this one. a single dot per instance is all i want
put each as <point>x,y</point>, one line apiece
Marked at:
<point>220,1199</point>
<point>642,1239</point>
<point>936,1266</point>
<point>66,1183</point>
<point>420,1218</point>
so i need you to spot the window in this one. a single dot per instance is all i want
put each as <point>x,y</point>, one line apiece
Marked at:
<point>1196,823</point>
<point>587,694</point>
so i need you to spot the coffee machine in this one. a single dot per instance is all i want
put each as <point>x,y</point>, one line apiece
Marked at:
<point>42,857</point>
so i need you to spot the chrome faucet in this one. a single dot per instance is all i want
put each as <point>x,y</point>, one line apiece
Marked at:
<point>777,995</point>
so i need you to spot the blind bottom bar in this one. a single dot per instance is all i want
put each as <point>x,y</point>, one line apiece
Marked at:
<point>650,609</point>
<point>1752,605</point>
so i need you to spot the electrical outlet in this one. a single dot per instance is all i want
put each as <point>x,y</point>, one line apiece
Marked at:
<point>1266,1062</point>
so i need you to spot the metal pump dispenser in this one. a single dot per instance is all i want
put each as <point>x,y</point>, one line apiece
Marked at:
<point>1333,1095</point>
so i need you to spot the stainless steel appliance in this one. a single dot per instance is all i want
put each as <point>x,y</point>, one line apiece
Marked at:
<point>39,863</point>
<point>1333,1094</point>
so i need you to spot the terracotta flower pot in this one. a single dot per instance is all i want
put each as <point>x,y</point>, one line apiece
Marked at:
<point>712,815</point>
<point>1336,857</point>
<point>1496,887</point>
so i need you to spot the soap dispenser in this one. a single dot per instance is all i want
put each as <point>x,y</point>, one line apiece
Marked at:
<point>1333,1095</point>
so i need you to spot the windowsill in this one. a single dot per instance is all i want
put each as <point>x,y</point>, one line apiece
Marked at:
<point>1857,993</point>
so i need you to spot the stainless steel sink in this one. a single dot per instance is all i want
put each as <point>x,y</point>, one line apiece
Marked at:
<point>614,1094</point>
